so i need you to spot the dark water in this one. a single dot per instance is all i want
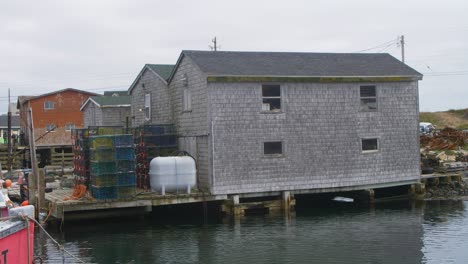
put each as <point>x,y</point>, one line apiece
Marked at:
<point>401,232</point>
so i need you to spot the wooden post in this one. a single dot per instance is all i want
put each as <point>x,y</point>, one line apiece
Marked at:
<point>10,152</point>
<point>34,181</point>
<point>286,201</point>
<point>236,210</point>
<point>63,161</point>
<point>41,189</point>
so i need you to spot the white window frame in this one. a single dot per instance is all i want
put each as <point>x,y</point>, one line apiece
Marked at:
<point>266,108</point>
<point>370,150</point>
<point>187,100</point>
<point>49,105</point>
<point>364,98</point>
<point>273,154</point>
<point>69,127</point>
<point>147,108</point>
<point>51,128</point>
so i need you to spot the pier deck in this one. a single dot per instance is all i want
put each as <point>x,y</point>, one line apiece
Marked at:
<point>441,175</point>
<point>59,203</point>
<point>59,206</point>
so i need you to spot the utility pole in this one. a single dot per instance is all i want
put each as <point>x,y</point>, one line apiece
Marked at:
<point>10,152</point>
<point>215,45</point>
<point>36,190</point>
<point>402,45</point>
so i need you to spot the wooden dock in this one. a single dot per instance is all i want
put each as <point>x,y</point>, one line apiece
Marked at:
<point>59,206</point>
<point>59,203</point>
<point>436,178</point>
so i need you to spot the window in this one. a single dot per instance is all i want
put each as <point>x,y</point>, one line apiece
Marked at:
<point>147,106</point>
<point>368,96</point>
<point>50,127</point>
<point>69,127</point>
<point>369,145</point>
<point>187,100</point>
<point>48,105</point>
<point>271,98</point>
<point>273,148</point>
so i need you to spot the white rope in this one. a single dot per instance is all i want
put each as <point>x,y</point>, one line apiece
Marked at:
<point>53,240</point>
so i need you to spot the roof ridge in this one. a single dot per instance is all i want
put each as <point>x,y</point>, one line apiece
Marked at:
<point>267,63</point>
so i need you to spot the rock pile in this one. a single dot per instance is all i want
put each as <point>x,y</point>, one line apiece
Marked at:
<point>447,190</point>
<point>445,139</point>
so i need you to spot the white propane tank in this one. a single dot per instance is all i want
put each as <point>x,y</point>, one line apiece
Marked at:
<point>172,174</point>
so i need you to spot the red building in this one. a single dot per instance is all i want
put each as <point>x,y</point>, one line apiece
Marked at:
<point>54,115</point>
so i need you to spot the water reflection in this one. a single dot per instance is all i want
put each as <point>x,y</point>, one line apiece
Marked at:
<point>445,232</point>
<point>433,232</point>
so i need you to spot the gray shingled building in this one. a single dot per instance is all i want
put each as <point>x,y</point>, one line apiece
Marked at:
<point>265,122</point>
<point>150,96</point>
<point>112,109</point>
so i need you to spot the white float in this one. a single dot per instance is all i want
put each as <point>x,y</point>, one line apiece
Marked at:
<point>172,174</point>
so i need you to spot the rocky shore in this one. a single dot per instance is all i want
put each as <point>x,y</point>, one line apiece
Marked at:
<point>447,190</point>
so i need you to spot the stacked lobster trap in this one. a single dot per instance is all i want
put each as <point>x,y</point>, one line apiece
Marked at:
<point>152,141</point>
<point>112,160</point>
<point>81,156</point>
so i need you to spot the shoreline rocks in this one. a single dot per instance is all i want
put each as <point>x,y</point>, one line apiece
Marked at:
<point>447,190</point>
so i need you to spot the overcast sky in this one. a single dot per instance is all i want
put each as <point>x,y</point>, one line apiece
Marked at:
<point>102,45</point>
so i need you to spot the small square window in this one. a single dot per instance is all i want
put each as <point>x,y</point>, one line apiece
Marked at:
<point>50,127</point>
<point>271,98</point>
<point>368,96</point>
<point>273,148</point>
<point>369,144</point>
<point>49,105</point>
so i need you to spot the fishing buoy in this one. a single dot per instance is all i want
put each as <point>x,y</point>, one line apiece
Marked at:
<point>8,183</point>
<point>24,203</point>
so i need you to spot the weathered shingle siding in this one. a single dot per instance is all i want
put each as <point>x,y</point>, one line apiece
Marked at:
<point>203,161</point>
<point>194,122</point>
<point>160,102</point>
<point>192,125</point>
<point>320,128</point>
<point>92,115</point>
<point>116,116</point>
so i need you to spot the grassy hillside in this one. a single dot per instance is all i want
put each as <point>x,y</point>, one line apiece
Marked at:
<point>452,118</point>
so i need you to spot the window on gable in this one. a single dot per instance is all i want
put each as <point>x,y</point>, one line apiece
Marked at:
<point>187,100</point>
<point>273,148</point>
<point>271,98</point>
<point>69,127</point>
<point>148,106</point>
<point>368,95</point>
<point>50,127</point>
<point>369,144</point>
<point>48,105</point>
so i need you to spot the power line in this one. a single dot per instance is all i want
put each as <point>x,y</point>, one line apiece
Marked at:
<point>392,42</point>
<point>386,47</point>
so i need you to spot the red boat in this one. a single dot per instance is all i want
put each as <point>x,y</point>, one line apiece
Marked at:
<point>16,232</point>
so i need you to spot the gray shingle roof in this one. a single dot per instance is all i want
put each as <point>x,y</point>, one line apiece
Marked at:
<point>163,70</point>
<point>119,93</point>
<point>104,101</point>
<point>15,121</point>
<point>293,64</point>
